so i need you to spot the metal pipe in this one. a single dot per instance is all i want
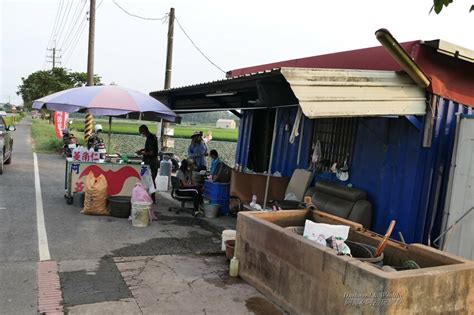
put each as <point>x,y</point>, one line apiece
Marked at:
<point>402,57</point>
<point>269,172</point>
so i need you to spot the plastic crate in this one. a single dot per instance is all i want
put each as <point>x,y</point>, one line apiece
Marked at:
<point>224,206</point>
<point>218,191</point>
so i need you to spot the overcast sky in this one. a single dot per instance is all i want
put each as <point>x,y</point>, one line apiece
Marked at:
<point>131,52</point>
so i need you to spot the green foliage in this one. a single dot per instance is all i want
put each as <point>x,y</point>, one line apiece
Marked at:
<point>45,82</point>
<point>438,5</point>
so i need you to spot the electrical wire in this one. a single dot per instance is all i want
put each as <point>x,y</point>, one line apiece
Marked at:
<point>63,20</point>
<point>74,22</point>
<point>55,25</point>
<point>197,48</point>
<point>78,35</point>
<point>138,16</point>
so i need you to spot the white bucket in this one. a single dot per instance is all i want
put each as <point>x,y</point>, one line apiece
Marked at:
<point>140,215</point>
<point>161,183</point>
<point>227,235</point>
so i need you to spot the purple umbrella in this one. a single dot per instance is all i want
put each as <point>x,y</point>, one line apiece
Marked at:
<point>107,100</point>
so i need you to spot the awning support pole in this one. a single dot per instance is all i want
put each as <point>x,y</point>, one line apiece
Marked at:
<point>269,172</point>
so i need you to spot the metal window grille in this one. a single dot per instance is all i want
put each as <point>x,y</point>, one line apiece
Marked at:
<point>336,136</point>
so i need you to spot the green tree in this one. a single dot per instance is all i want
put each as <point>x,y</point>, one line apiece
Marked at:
<point>438,5</point>
<point>45,82</point>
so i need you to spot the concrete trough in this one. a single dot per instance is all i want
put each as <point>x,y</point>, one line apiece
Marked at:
<point>307,278</point>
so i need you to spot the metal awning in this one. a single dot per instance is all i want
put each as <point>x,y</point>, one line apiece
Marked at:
<point>319,92</point>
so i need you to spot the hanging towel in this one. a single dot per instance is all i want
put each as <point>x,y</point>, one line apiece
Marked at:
<point>296,126</point>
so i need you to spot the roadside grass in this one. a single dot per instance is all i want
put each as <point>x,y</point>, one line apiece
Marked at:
<point>180,131</point>
<point>9,120</point>
<point>44,137</point>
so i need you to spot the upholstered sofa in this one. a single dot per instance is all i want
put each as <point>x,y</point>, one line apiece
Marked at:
<point>345,202</point>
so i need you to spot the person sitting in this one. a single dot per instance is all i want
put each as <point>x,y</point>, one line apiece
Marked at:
<point>215,160</point>
<point>95,138</point>
<point>187,188</point>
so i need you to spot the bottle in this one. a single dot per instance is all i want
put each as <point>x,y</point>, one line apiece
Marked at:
<point>254,200</point>
<point>234,267</point>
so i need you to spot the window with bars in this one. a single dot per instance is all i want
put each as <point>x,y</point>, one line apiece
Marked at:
<point>336,139</point>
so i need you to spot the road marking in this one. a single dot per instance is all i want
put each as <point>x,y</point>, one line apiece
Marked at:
<point>41,227</point>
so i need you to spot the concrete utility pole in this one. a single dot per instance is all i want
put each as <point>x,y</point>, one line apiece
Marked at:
<point>54,57</point>
<point>169,62</point>
<point>90,66</point>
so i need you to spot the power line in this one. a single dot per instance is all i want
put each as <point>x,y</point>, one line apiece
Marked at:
<point>77,24</point>
<point>140,17</point>
<point>60,4</point>
<point>60,30</point>
<point>64,21</point>
<point>198,49</point>
<point>73,21</point>
<point>77,36</point>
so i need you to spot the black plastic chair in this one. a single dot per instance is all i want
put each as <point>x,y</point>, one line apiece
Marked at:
<point>175,186</point>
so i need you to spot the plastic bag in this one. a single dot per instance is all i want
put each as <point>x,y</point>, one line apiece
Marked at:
<point>95,199</point>
<point>140,195</point>
<point>319,232</point>
<point>147,182</point>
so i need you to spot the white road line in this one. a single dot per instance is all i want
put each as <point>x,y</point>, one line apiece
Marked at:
<point>42,237</point>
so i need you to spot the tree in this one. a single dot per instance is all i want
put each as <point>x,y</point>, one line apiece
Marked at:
<point>45,82</point>
<point>439,4</point>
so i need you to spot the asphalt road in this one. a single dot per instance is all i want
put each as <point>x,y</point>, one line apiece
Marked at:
<point>82,245</point>
<point>18,236</point>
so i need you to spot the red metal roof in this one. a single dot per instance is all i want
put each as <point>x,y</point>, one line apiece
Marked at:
<point>451,78</point>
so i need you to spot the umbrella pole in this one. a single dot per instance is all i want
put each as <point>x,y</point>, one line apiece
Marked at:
<point>269,172</point>
<point>110,131</point>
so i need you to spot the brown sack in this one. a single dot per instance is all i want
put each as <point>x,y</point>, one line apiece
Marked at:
<point>95,201</point>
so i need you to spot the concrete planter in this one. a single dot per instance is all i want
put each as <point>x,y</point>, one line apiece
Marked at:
<point>306,278</point>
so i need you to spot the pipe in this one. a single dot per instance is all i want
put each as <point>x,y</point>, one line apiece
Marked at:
<point>269,172</point>
<point>402,57</point>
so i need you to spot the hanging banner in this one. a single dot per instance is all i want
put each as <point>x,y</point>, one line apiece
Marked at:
<point>60,120</point>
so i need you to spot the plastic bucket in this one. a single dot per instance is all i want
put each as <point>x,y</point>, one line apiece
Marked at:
<point>161,183</point>
<point>229,249</point>
<point>227,235</point>
<point>119,206</point>
<point>140,215</point>
<point>211,210</point>
<point>365,252</point>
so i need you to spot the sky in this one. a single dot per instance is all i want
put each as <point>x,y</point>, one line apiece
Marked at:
<point>131,52</point>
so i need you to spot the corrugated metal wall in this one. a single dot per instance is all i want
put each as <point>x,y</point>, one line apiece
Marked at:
<point>405,181</point>
<point>285,154</point>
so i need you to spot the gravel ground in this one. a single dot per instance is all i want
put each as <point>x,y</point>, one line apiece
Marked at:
<point>129,144</point>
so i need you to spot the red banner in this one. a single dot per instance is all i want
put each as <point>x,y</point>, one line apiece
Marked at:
<point>60,120</point>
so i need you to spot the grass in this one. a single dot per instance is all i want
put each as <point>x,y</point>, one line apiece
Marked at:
<point>44,137</point>
<point>9,120</point>
<point>180,131</point>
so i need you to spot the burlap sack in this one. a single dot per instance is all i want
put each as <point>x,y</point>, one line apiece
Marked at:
<point>95,201</point>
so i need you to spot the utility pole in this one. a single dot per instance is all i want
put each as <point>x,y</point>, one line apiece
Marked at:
<point>54,56</point>
<point>169,62</point>
<point>90,66</point>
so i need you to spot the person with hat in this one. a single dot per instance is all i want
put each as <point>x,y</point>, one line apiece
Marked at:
<point>197,151</point>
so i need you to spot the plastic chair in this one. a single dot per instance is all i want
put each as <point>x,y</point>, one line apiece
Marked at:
<point>175,186</point>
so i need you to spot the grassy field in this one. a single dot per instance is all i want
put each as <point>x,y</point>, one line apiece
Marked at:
<point>180,131</point>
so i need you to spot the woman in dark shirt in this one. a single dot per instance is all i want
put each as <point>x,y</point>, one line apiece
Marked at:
<point>186,186</point>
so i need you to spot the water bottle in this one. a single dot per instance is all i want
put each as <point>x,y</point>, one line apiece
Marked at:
<point>234,267</point>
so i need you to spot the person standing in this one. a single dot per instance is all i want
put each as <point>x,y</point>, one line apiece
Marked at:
<point>197,151</point>
<point>150,153</point>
